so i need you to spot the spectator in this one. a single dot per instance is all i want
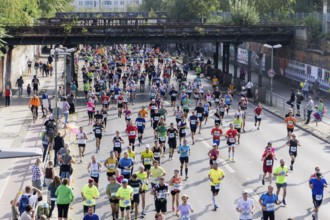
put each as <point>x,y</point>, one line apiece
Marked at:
<point>316,85</point>
<point>28,214</point>
<point>29,65</point>
<point>71,101</point>
<point>52,187</point>
<point>64,196</point>
<point>58,144</point>
<point>36,174</point>
<point>65,159</point>
<point>65,110</point>
<point>305,89</point>
<point>19,84</point>
<point>299,98</point>
<point>7,93</point>
<point>36,67</point>
<point>14,210</point>
<point>249,86</point>
<point>49,173</point>
<point>309,107</point>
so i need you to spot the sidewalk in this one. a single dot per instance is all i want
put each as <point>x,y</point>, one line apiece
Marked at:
<point>281,94</point>
<point>18,131</point>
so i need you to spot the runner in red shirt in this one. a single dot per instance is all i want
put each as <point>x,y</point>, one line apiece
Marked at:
<point>131,131</point>
<point>216,132</point>
<point>268,158</point>
<point>231,141</point>
<point>105,100</point>
<point>257,117</point>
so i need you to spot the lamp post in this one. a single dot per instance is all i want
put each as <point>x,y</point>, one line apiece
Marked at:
<point>65,52</point>
<point>271,72</point>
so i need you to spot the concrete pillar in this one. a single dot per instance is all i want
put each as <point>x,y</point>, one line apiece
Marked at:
<point>216,56</point>
<point>8,59</point>
<point>249,65</point>
<point>223,57</point>
<point>260,70</point>
<point>235,60</point>
<point>227,57</point>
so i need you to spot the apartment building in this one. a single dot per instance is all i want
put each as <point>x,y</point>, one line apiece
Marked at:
<point>105,5</point>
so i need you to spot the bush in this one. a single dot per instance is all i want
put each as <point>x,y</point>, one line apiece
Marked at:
<point>244,14</point>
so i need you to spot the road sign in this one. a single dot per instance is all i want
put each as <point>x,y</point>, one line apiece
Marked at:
<point>271,73</point>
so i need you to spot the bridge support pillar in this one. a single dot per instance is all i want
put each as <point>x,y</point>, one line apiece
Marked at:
<point>260,70</point>
<point>249,65</point>
<point>235,60</point>
<point>223,57</point>
<point>216,56</point>
<point>227,57</point>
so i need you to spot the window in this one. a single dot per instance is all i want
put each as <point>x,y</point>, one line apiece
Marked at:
<point>115,2</point>
<point>107,3</point>
<point>89,3</point>
<point>122,2</point>
<point>80,3</point>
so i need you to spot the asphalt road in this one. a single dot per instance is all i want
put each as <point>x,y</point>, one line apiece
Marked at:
<point>245,173</point>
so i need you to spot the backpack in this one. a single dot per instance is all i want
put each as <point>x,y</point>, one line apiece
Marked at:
<point>43,209</point>
<point>23,202</point>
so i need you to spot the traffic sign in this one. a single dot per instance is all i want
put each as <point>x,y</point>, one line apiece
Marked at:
<point>271,73</point>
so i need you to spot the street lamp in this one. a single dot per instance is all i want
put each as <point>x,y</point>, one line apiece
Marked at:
<point>271,72</point>
<point>65,52</point>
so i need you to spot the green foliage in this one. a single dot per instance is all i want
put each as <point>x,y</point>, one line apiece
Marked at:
<point>84,30</point>
<point>308,5</point>
<point>272,7</point>
<point>243,13</point>
<point>186,10</point>
<point>2,42</point>
<point>215,19</point>
<point>315,27</point>
<point>147,5</point>
<point>152,14</point>
<point>48,8</point>
<point>67,28</point>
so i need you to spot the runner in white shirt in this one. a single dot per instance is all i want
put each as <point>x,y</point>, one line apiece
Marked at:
<point>94,168</point>
<point>81,139</point>
<point>245,206</point>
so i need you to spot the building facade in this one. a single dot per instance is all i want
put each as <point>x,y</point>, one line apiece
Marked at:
<point>105,5</point>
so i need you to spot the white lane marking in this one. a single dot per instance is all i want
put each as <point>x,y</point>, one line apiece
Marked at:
<point>221,161</point>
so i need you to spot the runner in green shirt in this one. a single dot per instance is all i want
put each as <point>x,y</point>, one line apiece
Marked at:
<point>162,130</point>
<point>186,104</point>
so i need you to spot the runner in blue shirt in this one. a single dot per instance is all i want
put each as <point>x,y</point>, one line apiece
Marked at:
<point>90,215</point>
<point>184,152</point>
<point>317,185</point>
<point>126,164</point>
<point>140,124</point>
<point>228,98</point>
<point>267,202</point>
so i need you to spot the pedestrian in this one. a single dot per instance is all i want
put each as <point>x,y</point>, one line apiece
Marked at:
<point>299,99</point>
<point>29,65</point>
<point>65,110</point>
<point>292,99</point>
<point>64,197</point>
<point>36,67</point>
<point>49,172</point>
<point>28,214</point>
<point>281,172</point>
<point>28,198</point>
<point>309,107</point>
<point>8,94</point>
<point>19,84</point>
<point>245,206</point>
<point>249,86</point>
<point>52,187</point>
<point>36,175</point>
<point>65,159</point>
<point>89,193</point>
<point>71,100</point>
<point>317,184</point>
<point>91,214</point>
<point>215,175</point>
<point>316,86</point>
<point>305,89</point>
<point>35,83</point>
<point>267,202</point>
<point>28,90</point>
<point>58,144</point>
<point>14,209</point>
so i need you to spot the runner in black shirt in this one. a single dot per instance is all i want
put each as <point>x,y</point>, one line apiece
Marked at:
<point>200,115</point>
<point>136,184</point>
<point>172,133</point>
<point>98,128</point>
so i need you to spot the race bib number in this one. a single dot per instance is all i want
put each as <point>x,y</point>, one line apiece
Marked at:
<point>97,131</point>
<point>126,202</point>
<point>89,202</point>
<point>293,149</point>
<point>153,107</point>
<point>117,144</point>
<point>177,186</point>
<point>139,124</point>
<point>120,101</point>
<point>156,118</point>
<point>183,131</point>
<point>199,115</point>
<point>112,166</point>
<point>171,135</point>
<point>269,162</point>
<point>136,190</point>
<point>193,122</point>
<point>127,170</point>
<point>270,207</point>
<point>161,195</point>
<point>157,154</point>
<point>156,180</point>
<point>90,109</point>
<point>185,217</point>
<point>290,122</point>
<point>162,138</point>
<point>232,140</point>
<point>128,117</point>
<point>258,116</point>
<point>217,186</point>
<point>318,197</point>
<point>113,194</point>
<point>105,102</point>
<point>217,133</point>
<point>216,100</point>
<point>132,133</point>
<point>147,160</point>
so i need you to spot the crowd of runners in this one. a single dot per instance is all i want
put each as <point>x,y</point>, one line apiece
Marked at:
<point>112,78</point>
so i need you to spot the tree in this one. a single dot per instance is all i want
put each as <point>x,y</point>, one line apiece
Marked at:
<point>48,8</point>
<point>272,7</point>
<point>243,13</point>
<point>187,10</point>
<point>2,42</point>
<point>156,5</point>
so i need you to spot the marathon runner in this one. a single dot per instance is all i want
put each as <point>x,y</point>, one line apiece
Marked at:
<point>317,185</point>
<point>111,191</point>
<point>147,158</point>
<point>267,201</point>
<point>143,176</point>
<point>215,175</point>
<point>281,172</point>
<point>136,184</point>
<point>200,115</point>
<point>117,141</point>
<point>176,187</point>
<point>213,155</point>
<point>293,144</point>
<point>98,128</point>
<point>231,141</point>
<point>184,152</point>
<point>216,132</point>
<point>111,164</point>
<point>140,123</point>
<point>258,114</point>
<point>172,133</point>
<point>94,168</point>
<point>125,195</point>
<point>268,158</point>
<point>238,123</point>
<point>194,122</point>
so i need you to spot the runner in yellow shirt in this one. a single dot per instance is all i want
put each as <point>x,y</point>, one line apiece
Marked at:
<point>143,112</point>
<point>147,157</point>
<point>281,172</point>
<point>111,164</point>
<point>125,195</point>
<point>143,176</point>
<point>215,176</point>
<point>89,193</point>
